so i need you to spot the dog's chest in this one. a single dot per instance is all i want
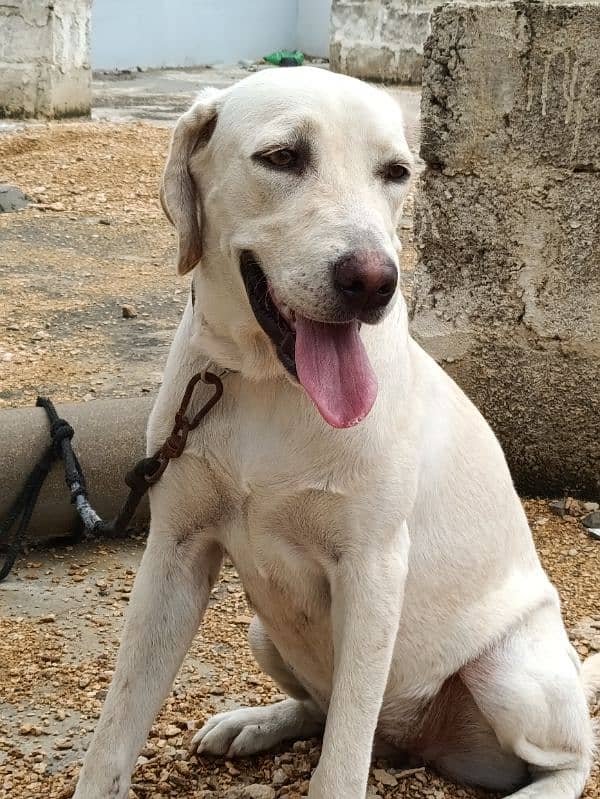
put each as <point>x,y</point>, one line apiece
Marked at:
<point>281,546</point>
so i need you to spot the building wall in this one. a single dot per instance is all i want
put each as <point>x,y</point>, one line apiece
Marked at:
<point>380,39</point>
<point>158,33</point>
<point>44,58</point>
<point>314,27</point>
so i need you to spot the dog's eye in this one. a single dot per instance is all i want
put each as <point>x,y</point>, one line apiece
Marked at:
<point>280,159</point>
<point>395,172</point>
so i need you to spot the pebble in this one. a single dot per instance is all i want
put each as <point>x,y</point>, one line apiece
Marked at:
<point>279,777</point>
<point>12,199</point>
<point>384,777</point>
<point>254,791</point>
<point>129,312</point>
<point>592,520</point>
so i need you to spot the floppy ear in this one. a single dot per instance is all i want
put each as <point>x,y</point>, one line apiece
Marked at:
<point>178,195</point>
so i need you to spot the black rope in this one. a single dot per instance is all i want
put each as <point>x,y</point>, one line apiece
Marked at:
<point>145,473</point>
<point>14,526</point>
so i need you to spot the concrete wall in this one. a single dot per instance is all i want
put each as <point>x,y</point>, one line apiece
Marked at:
<point>44,58</point>
<point>507,294</point>
<point>158,33</point>
<point>380,39</point>
<point>313,27</point>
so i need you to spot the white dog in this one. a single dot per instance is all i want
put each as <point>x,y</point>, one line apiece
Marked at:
<point>364,501</point>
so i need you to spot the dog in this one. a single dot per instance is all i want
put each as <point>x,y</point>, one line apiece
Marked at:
<point>364,501</point>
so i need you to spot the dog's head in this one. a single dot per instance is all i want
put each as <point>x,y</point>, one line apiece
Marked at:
<point>289,187</point>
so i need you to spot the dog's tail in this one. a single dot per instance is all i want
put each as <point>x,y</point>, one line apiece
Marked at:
<point>590,674</point>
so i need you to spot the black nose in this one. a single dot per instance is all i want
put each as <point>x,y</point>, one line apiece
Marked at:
<point>366,280</point>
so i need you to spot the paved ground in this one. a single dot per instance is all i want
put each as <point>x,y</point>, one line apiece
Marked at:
<point>95,239</point>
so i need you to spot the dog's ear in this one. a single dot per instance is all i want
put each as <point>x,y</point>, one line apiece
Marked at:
<point>178,195</point>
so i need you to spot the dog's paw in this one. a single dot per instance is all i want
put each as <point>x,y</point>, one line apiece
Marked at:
<point>246,731</point>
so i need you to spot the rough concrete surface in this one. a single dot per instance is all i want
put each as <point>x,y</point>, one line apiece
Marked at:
<point>380,39</point>
<point>44,58</point>
<point>507,293</point>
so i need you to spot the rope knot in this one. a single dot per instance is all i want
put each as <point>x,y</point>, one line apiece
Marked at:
<point>60,430</point>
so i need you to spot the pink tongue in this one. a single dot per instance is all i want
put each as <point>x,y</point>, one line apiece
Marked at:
<point>334,369</point>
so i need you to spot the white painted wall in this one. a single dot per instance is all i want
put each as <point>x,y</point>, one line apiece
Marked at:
<point>158,33</point>
<point>313,27</point>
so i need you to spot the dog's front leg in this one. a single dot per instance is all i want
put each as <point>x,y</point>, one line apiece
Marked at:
<point>367,589</point>
<point>171,591</point>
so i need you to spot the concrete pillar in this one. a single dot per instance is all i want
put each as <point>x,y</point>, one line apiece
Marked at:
<point>380,39</point>
<point>44,58</point>
<point>507,293</point>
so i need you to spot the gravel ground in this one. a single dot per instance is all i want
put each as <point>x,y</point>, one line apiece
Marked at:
<point>62,617</point>
<point>94,240</point>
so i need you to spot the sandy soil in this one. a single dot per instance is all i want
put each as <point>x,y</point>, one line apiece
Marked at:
<point>95,240</point>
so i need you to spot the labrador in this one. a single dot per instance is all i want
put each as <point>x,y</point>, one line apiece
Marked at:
<point>364,501</point>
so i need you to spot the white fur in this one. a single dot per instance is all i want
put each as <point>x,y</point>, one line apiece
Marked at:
<point>398,593</point>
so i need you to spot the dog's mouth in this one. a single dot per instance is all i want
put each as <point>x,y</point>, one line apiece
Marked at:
<point>277,321</point>
<point>328,359</point>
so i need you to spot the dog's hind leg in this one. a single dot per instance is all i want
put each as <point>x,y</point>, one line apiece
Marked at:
<point>246,731</point>
<point>528,688</point>
<point>171,591</point>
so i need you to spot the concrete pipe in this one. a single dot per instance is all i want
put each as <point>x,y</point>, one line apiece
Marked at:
<point>109,438</point>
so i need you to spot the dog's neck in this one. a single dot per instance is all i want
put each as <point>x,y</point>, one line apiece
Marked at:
<point>232,340</point>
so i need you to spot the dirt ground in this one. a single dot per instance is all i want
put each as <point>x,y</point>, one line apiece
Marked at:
<point>93,240</point>
<point>61,620</point>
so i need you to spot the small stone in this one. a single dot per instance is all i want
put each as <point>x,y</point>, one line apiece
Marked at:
<point>589,506</point>
<point>216,691</point>
<point>84,682</point>
<point>558,506</point>
<point>574,507</point>
<point>29,729</point>
<point>279,778</point>
<point>104,221</point>
<point>171,731</point>
<point>592,520</point>
<point>12,199</point>
<point>47,619</point>
<point>129,312</point>
<point>254,791</point>
<point>63,743</point>
<point>384,777</point>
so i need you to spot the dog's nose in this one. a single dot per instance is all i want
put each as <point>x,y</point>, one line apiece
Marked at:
<point>366,280</point>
